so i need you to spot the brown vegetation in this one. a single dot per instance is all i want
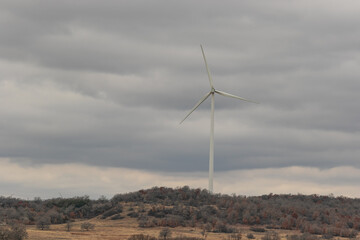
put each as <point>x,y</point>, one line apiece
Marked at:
<point>126,228</point>
<point>197,212</point>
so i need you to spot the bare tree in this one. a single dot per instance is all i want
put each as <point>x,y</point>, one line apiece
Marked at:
<point>250,236</point>
<point>43,223</point>
<point>87,226</point>
<point>69,225</point>
<point>165,233</point>
<point>18,232</point>
<point>204,233</point>
<point>15,232</point>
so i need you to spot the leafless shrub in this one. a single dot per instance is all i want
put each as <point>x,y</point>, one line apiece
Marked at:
<point>165,233</point>
<point>250,236</point>
<point>87,226</point>
<point>69,225</point>
<point>15,232</point>
<point>43,223</point>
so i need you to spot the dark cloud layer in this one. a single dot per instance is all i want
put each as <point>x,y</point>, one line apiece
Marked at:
<point>106,83</point>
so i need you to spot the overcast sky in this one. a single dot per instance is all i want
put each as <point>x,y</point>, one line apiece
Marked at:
<point>92,93</point>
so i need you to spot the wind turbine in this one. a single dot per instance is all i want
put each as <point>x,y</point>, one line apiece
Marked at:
<point>212,94</point>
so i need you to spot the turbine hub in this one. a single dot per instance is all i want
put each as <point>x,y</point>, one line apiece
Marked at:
<point>212,90</point>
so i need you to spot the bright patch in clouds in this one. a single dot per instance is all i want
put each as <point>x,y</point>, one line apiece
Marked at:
<point>69,180</point>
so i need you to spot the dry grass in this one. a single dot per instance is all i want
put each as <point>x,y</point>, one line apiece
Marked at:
<point>122,229</point>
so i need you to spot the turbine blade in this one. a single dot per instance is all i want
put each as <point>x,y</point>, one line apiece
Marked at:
<point>233,96</point>
<point>207,68</point>
<point>197,104</point>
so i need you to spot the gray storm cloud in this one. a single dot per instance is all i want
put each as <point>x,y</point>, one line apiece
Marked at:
<point>106,83</point>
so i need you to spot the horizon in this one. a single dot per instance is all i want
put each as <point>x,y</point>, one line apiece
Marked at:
<point>101,197</point>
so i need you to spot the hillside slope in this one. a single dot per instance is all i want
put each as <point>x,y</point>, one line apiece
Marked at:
<point>197,208</point>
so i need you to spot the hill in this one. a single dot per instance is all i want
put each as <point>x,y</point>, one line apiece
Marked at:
<point>327,216</point>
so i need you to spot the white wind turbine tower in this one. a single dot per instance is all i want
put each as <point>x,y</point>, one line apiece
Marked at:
<point>212,93</point>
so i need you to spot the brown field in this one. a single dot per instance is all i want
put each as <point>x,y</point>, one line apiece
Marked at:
<point>122,229</point>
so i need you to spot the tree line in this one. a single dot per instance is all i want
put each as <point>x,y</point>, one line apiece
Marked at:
<point>172,207</point>
<point>314,214</point>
